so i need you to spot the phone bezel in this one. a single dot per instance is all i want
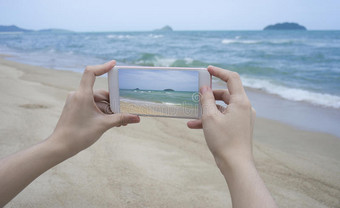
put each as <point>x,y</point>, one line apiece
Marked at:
<point>204,79</point>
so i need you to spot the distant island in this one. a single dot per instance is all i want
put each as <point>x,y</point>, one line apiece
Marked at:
<point>166,28</point>
<point>137,88</point>
<point>285,26</point>
<point>171,90</point>
<point>14,28</point>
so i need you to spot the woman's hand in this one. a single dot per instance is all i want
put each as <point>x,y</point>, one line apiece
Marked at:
<point>87,115</point>
<point>228,131</point>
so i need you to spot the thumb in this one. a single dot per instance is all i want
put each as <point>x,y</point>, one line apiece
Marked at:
<point>208,101</point>
<point>116,120</point>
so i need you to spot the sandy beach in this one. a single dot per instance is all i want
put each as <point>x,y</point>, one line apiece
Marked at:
<point>157,163</point>
<point>156,109</point>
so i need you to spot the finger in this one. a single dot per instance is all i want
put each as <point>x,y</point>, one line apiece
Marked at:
<point>101,95</point>
<point>232,78</point>
<point>90,73</point>
<point>222,95</point>
<point>104,107</point>
<point>121,119</point>
<point>208,101</point>
<point>195,124</point>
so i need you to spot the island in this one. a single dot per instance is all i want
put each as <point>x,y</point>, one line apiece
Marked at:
<point>12,28</point>
<point>285,26</point>
<point>137,88</point>
<point>166,28</point>
<point>169,90</point>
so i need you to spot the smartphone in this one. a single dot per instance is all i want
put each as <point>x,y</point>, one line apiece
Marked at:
<point>157,91</point>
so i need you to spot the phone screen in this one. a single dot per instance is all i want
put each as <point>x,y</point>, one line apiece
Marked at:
<point>168,93</point>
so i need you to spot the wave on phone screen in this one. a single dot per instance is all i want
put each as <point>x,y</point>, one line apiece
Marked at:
<point>172,93</point>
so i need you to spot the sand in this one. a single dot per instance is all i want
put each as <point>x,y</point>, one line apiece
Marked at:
<point>157,109</point>
<point>157,163</point>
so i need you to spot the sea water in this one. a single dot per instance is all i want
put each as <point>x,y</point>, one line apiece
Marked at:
<point>295,65</point>
<point>298,70</point>
<point>179,98</point>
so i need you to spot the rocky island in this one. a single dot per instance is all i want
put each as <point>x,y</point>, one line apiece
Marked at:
<point>285,26</point>
<point>169,90</point>
<point>166,28</point>
<point>14,28</point>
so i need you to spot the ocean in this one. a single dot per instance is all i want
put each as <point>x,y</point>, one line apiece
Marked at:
<point>295,65</point>
<point>180,104</point>
<point>179,98</point>
<point>295,68</point>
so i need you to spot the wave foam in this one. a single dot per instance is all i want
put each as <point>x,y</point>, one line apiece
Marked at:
<point>238,41</point>
<point>231,41</point>
<point>294,94</point>
<point>119,36</point>
<point>157,60</point>
<point>155,36</point>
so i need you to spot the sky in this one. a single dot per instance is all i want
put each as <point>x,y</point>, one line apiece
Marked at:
<point>137,15</point>
<point>158,79</point>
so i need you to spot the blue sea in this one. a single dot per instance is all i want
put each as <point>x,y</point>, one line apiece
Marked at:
<point>180,98</point>
<point>301,66</point>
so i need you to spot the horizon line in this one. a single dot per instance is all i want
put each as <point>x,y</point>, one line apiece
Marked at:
<point>155,30</point>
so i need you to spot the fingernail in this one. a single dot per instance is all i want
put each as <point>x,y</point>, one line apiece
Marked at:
<point>210,69</point>
<point>113,62</point>
<point>135,119</point>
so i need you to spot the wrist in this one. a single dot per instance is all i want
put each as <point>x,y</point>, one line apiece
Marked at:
<point>57,147</point>
<point>233,163</point>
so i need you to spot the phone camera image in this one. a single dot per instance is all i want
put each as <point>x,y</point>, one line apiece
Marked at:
<point>168,93</point>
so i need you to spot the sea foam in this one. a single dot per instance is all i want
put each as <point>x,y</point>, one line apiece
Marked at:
<point>270,42</point>
<point>294,94</point>
<point>230,41</point>
<point>155,36</point>
<point>119,36</point>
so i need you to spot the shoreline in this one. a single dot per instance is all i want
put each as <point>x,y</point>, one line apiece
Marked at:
<point>322,101</point>
<point>306,116</point>
<point>298,114</point>
<point>301,115</point>
<point>250,92</point>
<point>148,164</point>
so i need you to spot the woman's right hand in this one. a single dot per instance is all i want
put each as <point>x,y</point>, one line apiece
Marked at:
<point>228,131</point>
